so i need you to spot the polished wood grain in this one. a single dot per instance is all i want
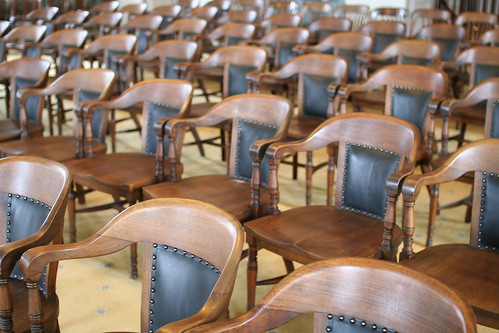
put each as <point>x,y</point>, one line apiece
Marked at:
<point>364,289</point>
<point>180,223</point>
<point>470,269</point>
<point>49,182</point>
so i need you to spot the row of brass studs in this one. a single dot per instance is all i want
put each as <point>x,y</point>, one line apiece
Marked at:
<point>154,265</point>
<point>482,210</point>
<point>395,86</point>
<point>363,323</point>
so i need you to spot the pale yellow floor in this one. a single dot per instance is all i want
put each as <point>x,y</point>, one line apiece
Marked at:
<point>98,295</point>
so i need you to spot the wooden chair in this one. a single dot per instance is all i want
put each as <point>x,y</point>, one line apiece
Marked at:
<point>247,5</point>
<point>279,44</point>
<point>472,67</point>
<point>182,278</point>
<point>389,14</point>
<point>160,58</point>
<point>361,294</point>
<point>17,75</point>
<point>184,28</point>
<point>122,175</point>
<point>187,6</point>
<point>38,16</point>
<point>280,20</point>
<point>84,85</point>
<point>68,20</point>
<point>361,222</point>
<point>243,190</point>
<point>407,51</point>
<point>358,14</point>
<point>489,37</point>
<point>23,7</point>
<point>133,9</point>
<point>4,27</point>
<point>229,66</point>
<point>207,13</point>
<point>314,11</point>
<point>34,196</point>
<point>104,7</point>
<point>277,7</point>
<point>141,26</point>
<point>169,13</point>
<point>471,269</point>
<point>102,24</point>
<point>422,17</point>
<point>449,36</point>
<point>409,90</point>
<point>239,16</point>
<point>475,24</point>
<point>384,33</point>
<point>485,92</point>
<point>225,35</point>
<point>344,44</point>
<point>17,37</point>
<point>310,75</point>
<point>325,26</point>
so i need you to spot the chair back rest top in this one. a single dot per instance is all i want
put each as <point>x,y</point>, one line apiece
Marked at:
<point>490,37</point>
<point>276,7</point>
<point>333,24</point>
<point>205,13</point>
<point>483,62</point>
<point>168,10</point>
<point>285,35</point>
<point>356,295</point>
<point>186,25</point>
<point>111,19</point>
<point>389,14</point>
<point>384,27</point>
<point>282,20</point>
<point>25,33</point>
<point>21,73</point>
<point>442,31</point>
<point>144,21</point>
<point>180,271</point>
<point>390,143</point>
<point>476,23</point>
<point>413,51</point>
<point>105,6</point>
<point>75,17</point>
<point>424,16</point>
<point>358,14</point>
<point>238,30</point>
<point>115,42</point>
<point>242,16</point>
<point>134,9</point>
<point>65,37</point>
<point>46,14</point>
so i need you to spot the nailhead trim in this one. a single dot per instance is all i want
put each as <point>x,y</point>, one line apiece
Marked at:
<point>156,248</point>
<point>347,151</point>
<point>486,177</point>
<point>353,321</point>
<point>238,147</point>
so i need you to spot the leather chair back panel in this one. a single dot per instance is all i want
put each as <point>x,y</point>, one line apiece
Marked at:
<point>31,103</point>
<point>484,72</point>
<point>155,112</point>
<point>285,53</point>
<point>63,65</point>
<point>315,96</point>
<point>33,52</point>
<point>494,130</point>
<point>448,47</point>
<point>410,104</point>
<point>110,59</point>
<point>237,79</point>
<point>488,227</point>
<point>364,179</point>
<point>20,210</point>
<point>249,132</point>
<point>234,40</point>
<point>142,42</point>
<point>180,285</point>
<point>351,57</point>
<point>347,324</point>
<point>90,95</point>
<point>381,41</point>
<point>169,67</point>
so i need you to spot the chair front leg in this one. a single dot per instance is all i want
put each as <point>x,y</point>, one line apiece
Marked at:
<point>252,270</point>
<point>6,311</point>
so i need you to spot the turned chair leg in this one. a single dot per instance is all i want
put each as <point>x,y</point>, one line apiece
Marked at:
<point>72,214</point>
<point>251,272</point>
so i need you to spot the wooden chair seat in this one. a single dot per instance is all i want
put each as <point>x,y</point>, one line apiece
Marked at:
<point>479,267</point>
<point>19,294</point>
<point>232,195</point>
<point>51,147</point>
<point>301,127</point>
<point>470,115</point>
<point>115,173</point>
<point>11,129</point>
<point>307,242</point>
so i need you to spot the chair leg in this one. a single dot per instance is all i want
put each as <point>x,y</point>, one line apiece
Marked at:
<point>72,214</point>
<point>289,265</point>
<point>60,115</point>
<point>197,140</point>
<point>433,214</point>
<point>133,261</point>
<point>252,270</point>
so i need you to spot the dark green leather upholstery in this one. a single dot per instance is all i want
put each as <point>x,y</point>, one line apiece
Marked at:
<point>410,104</point>
<point>364,179</point>
<point>110,59</point>
<point>406,60</point>
<point>237,79</point>
<point>484,72</point>
<point>488,227</point>
<point>448,47</point>
<point>315,96</point>
<point>494,131</point>
<point>89,95</point>
<point>156,112</point>
<point>249,132</point>
<point>31,103</point>
<point>381,41</point>
<point>169,67</point>
<point>351,57</point>
<point>180,285</point>
<point>286,53</point>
